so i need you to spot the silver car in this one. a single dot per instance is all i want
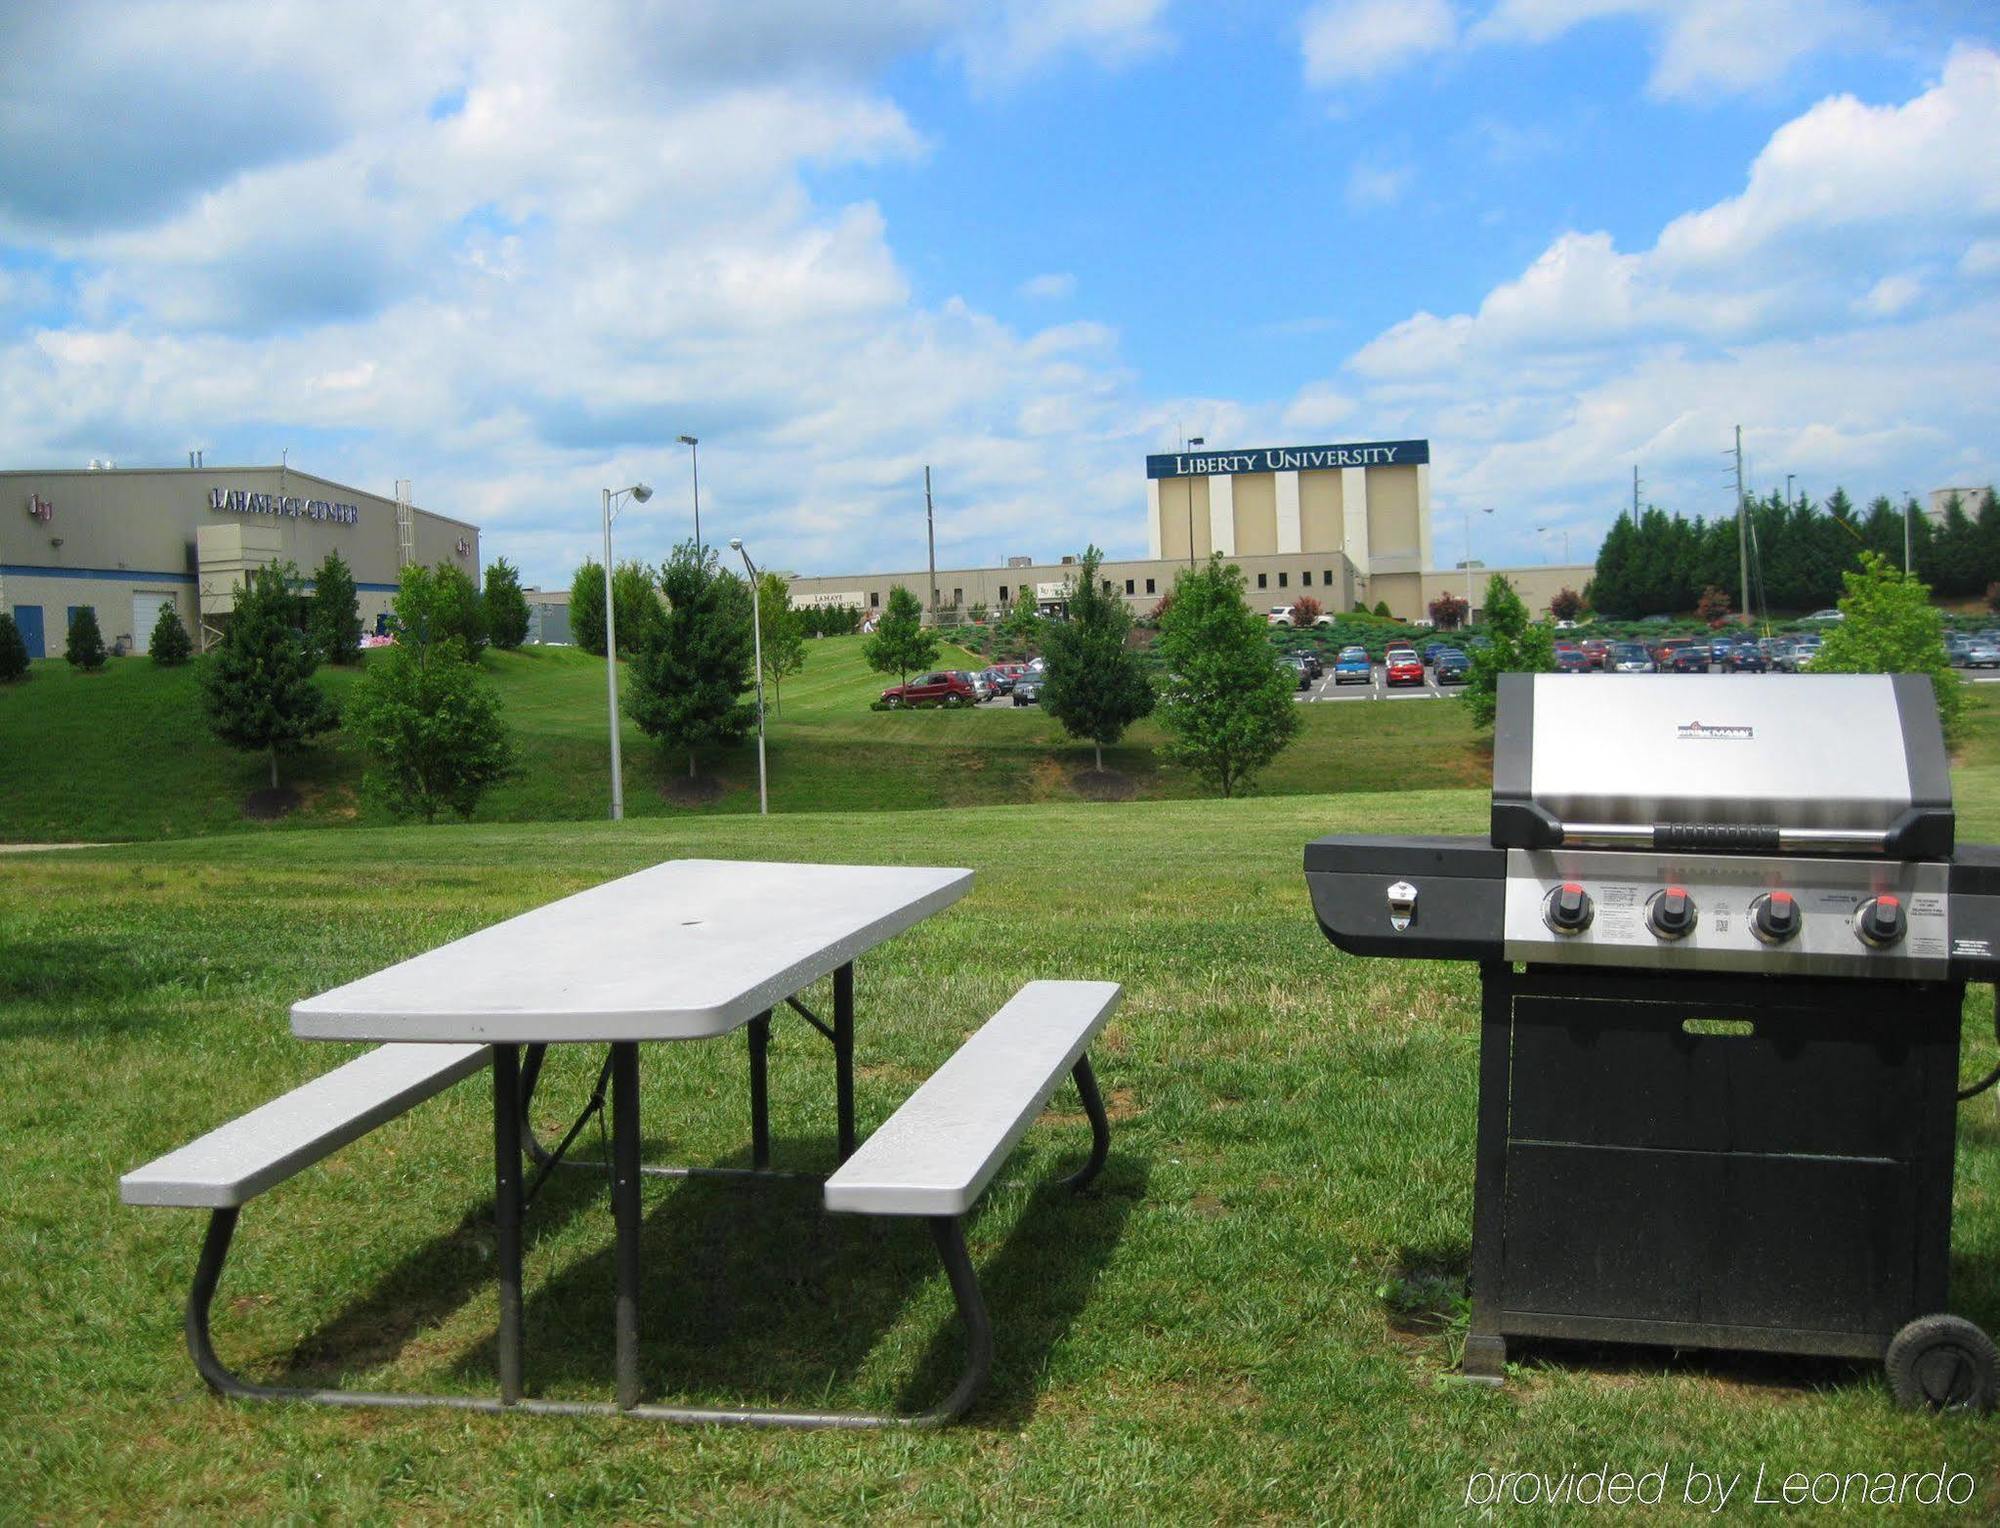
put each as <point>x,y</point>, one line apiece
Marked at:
<point>1981,653</point>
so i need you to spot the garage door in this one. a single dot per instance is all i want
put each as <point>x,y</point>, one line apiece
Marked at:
<point>145,612</point>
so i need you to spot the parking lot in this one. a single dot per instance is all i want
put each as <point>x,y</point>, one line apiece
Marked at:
<point>1324,688</point>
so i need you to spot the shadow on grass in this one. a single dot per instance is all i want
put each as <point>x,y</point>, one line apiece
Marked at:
<point>754,1295</point>
<point>76,971</point>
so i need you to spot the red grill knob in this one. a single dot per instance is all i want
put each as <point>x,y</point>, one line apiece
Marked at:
<point>1774,917</point>
<point>1880,921</point>
<point>1671,914</point>
<point>1570,909</point>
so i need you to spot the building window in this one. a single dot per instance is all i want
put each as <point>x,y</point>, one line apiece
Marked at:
<point>1327,578</point>
<point>1149,586</point>
<point>957,598</point>
<point>1283,579</point>
<point>875,600</point>
<point>1306,578</point>
<point>1129,589</point>
<point>1003,594</point>
<point>1107,586</point>
<point>1263,580</point>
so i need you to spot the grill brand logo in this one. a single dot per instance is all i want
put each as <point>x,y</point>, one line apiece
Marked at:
<point>1709,733</point>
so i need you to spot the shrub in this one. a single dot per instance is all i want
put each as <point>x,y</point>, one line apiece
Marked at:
<point>257,686</point>
<point>169,645</point>
<point>1519,646</point>
<point>1567,604</point>
<point>1382,609</point>
<point>1306,610</point>
<point>13,651</point>
<point>506,606</point>
<point>1227,706</point>
<point>334,621</point>
<point>1712,609</point>
<point>85,648</point>
<point>1448,612</point>
<point>430,724</point>
<point>1892,628</point>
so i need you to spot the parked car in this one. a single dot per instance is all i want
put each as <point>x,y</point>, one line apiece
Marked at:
<point>1719,649</point>
<point>1980,653</point>
<point>1011,670</point>
<point>1310,659</point>
<point>1826,615</point>
<point>1297,667</point>
<point>1570,659</point>
<point>1803,652</point>
<point>1028,690</point>
<point>982,687</point>
<point>1452,667</point>
<point>998,682</point>
<point>1281,615</point>
<point>1745,658</point>
<point>1596,652</point>
<point>1430,650</point>
<point>1694,658</point>
<point>1401,665</point>
<point>1956,645</point>
<point>944,687</point>
<point>1353,666</point>
<point>1630,658</point>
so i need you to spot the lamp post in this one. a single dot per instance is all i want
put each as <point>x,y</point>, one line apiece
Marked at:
<point>639,493</point>
<point>1788,488</point>
<point>757,636</point>
<point>1188,445</point>
<point>1486,510</point>
<point>1908,499</point>
<point>694,457</point>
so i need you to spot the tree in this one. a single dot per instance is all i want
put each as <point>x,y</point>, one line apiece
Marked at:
<point>257,687</point>
<point>1520,646</point>
<point>900,642</point>
<point>1306,610</point>
<point>1095,686</point>
<point>169,645</point>
<point>1892,628</point>
<point>506,606</point>
<point>13,651</point>
<point>1227,706</point>
<point>334,617</point>
<point>635,604</point>
<point>1992,599</point>
<point>1567,604</point>
<point>1713,606</point>
<point>977,612</point>
<point>586,607</point>
<point>688,682</point>
<point>85,648</point>
<point>784,634</point>
<point>1448,612</point>
<point>429,722</point>
<point>1382,609</point>
<point>455,609</point>
<point>1023,626</point>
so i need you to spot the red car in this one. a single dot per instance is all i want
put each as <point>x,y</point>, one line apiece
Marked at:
<point>946,687</point>
<point>1402,666</point>
<point>1570,659</point>
<point>1596,652</point>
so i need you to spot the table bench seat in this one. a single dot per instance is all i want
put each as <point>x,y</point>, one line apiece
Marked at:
<point>936,1154</point>
<point>236,1162</point>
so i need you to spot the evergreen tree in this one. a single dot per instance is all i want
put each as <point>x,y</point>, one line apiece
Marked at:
<point>257,686</point>
<point>636,596</point>
<point>334,622</point>
<point>1227,706</point>
<point>1892,628</point>
<point>506,606</point>
<point>169,646</point>
<point>689,681</point>
<point>456,610</point>
<point>586,608</point>
<point>1520,646</point>
<point>428,721</point>
<point>85,648</point>
<point>1095,686</point>
<point>13,651</point>
<point>900,642</point>
<point>784,635</point>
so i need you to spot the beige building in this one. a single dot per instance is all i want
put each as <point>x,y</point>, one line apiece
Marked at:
<point>126,541</point>
<point>1344,524</point>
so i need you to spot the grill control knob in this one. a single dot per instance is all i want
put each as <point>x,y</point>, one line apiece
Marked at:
<point>1880,921</point>
<point>1671,913</point>
<point>1774,917</point>
<point>1569,909</point>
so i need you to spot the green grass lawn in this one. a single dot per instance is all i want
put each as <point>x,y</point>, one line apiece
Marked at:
<point>1203,1337</point>
<point>125,754</point>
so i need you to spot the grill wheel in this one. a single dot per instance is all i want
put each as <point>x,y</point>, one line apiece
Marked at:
<point>1943,1363</point>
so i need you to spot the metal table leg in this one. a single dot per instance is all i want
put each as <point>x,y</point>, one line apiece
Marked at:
<point>843,1055</point>
<point>625,1209</point>
<point>507,1214</point>
<point>760,1094</point>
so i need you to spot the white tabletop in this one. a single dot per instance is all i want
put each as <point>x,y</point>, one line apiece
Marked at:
<point>685,950</point>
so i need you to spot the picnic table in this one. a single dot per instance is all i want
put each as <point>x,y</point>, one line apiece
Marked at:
<point>685,951</point>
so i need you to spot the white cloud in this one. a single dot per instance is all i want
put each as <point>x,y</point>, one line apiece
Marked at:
<point>1373,185</point>
<point>1345,41</point>
<point>1814,308</point>
<point>1704,46</point>
<point>1050,286</point>
<point>1026,36</point>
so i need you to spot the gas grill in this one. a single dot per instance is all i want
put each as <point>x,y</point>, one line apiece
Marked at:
<point>1724,936</point>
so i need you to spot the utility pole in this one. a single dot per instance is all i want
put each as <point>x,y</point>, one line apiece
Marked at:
<point>1742,529</point>
<point>1635,496</point>
<point>930,535</point>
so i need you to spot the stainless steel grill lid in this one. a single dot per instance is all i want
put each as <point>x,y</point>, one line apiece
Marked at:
<point>1764,763</point>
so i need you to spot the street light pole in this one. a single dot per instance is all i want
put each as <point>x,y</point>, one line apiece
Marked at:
<point>640,494</point>
<point>757,636</point>
<point>1908,499</point>
<point>694,456</point>
<point>1188,445</point>
<point>1486,510</point>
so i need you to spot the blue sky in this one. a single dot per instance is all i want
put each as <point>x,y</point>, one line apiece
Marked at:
<point>511,251</point>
